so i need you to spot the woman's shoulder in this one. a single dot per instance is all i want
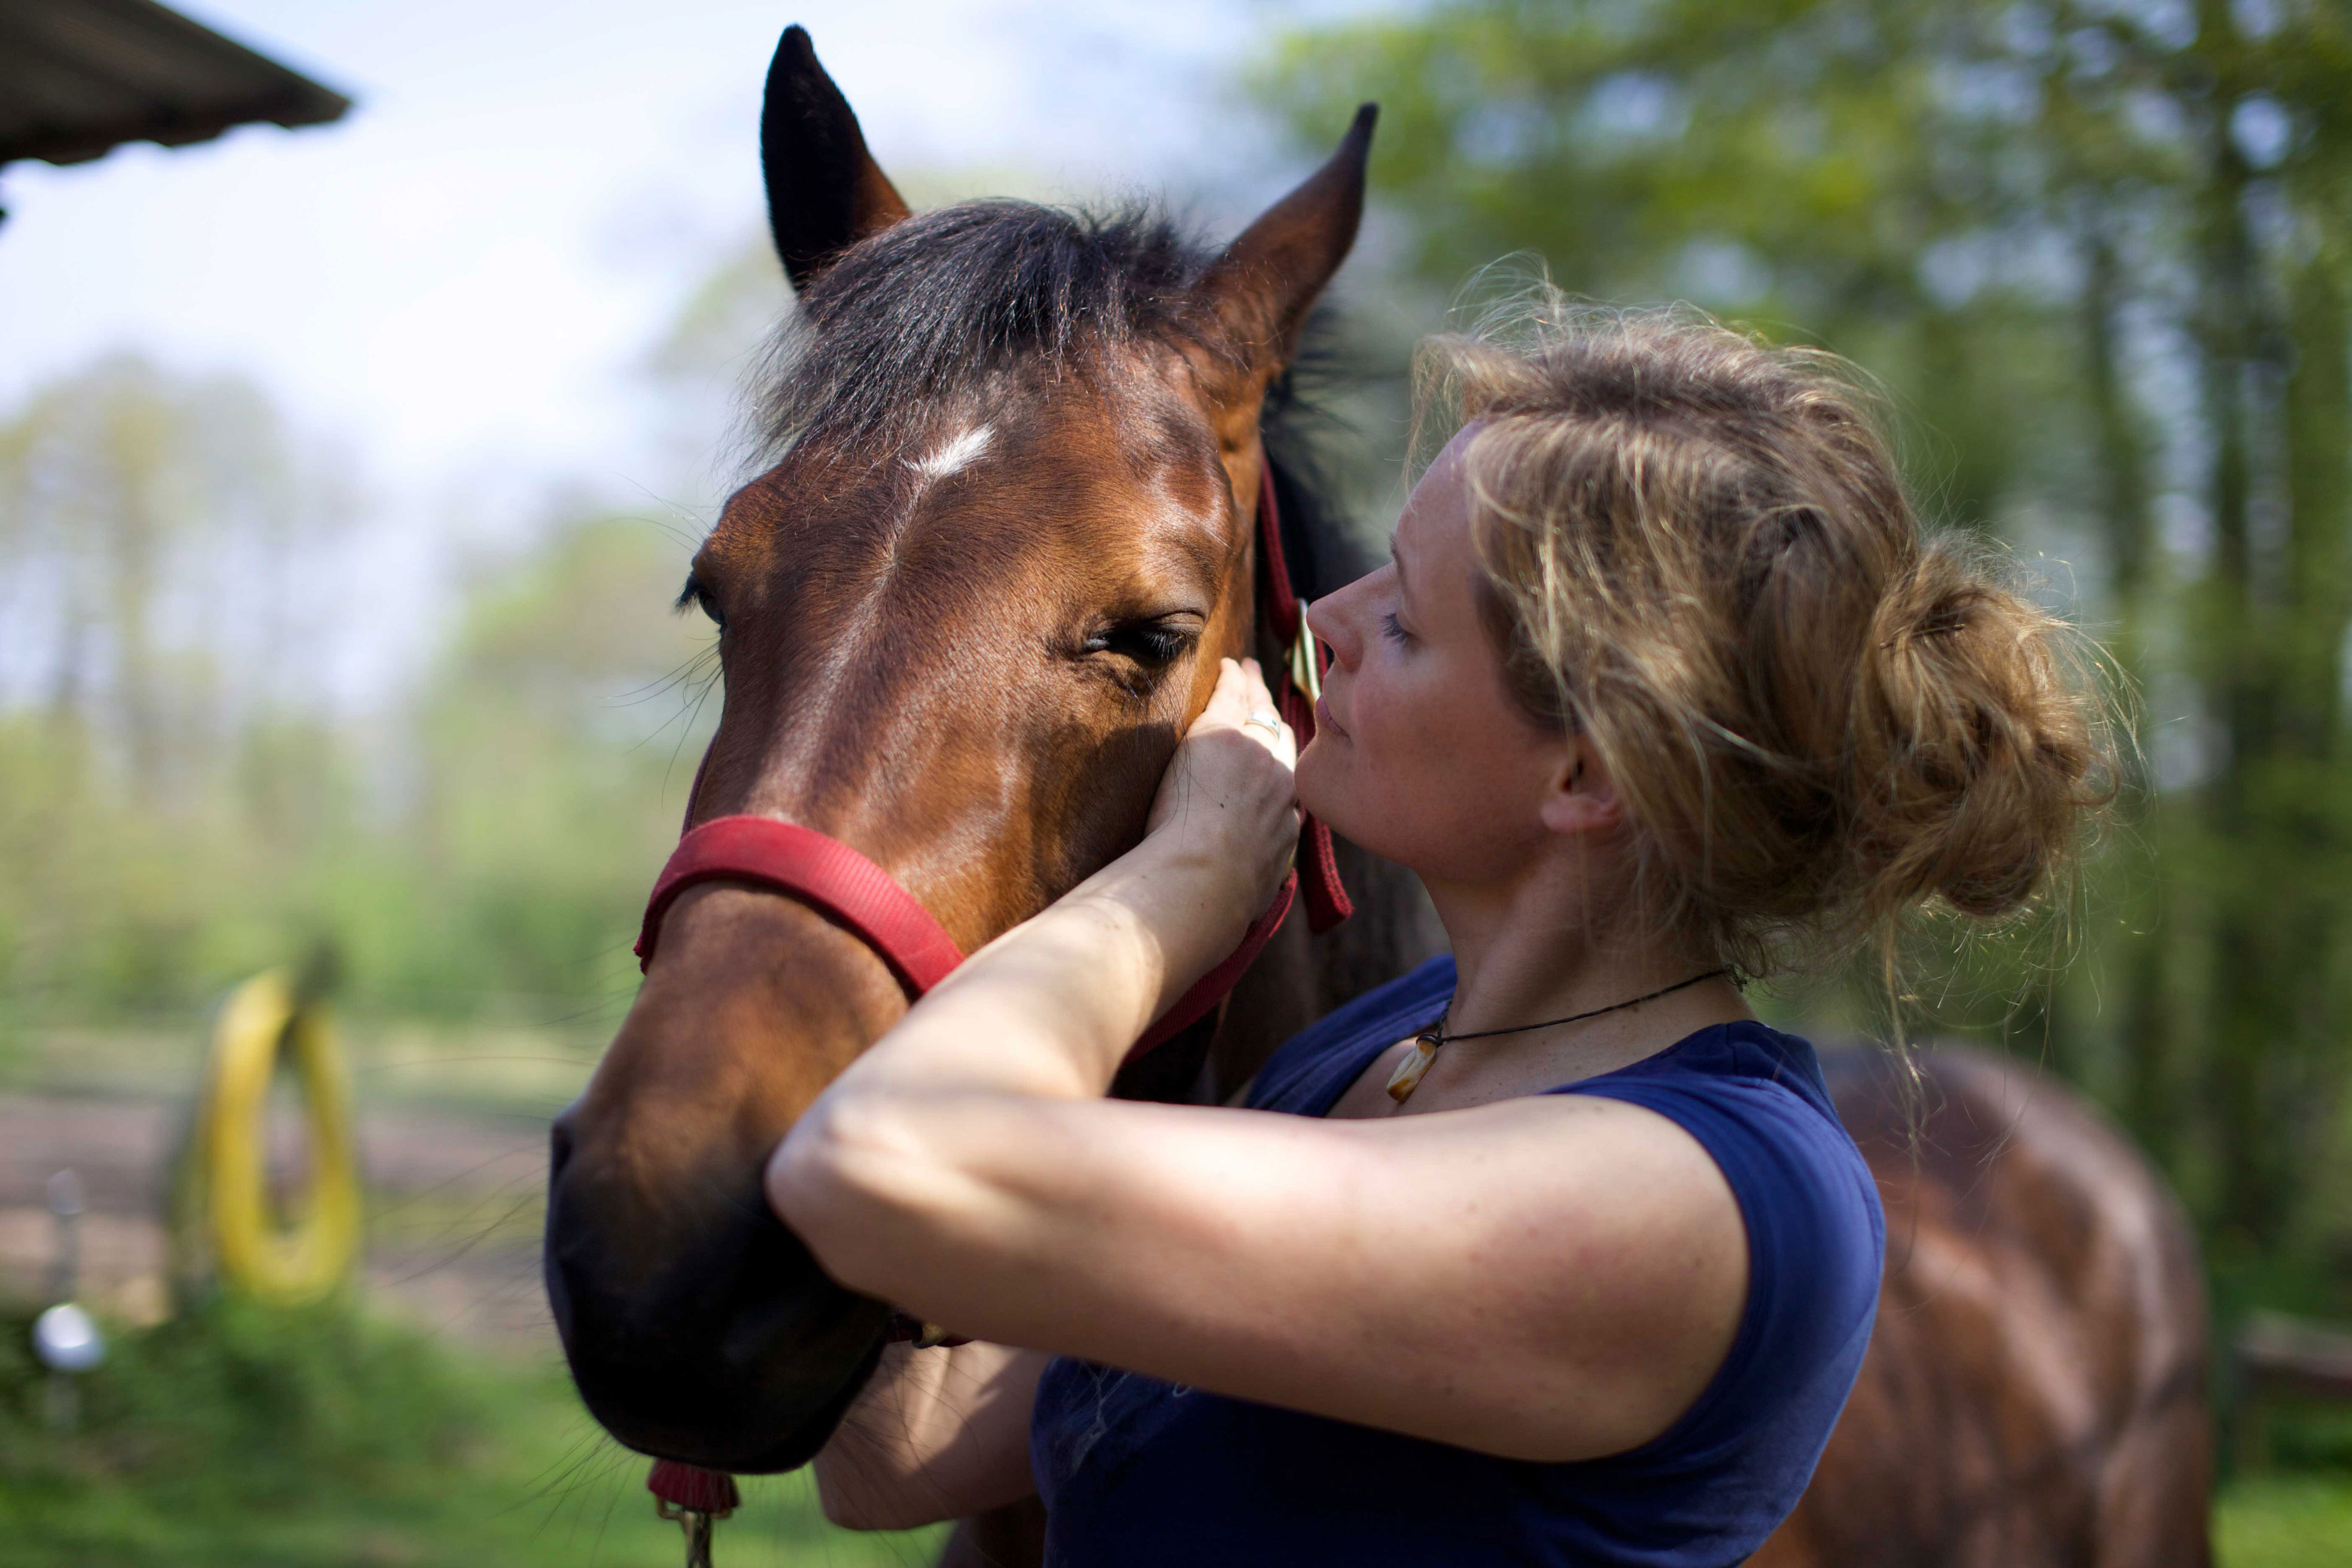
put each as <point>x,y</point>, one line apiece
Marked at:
<point>1754,1098</point>
<point>1725,1058</point>
<point>1310,1070</point>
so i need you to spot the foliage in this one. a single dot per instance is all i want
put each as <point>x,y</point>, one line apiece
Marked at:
<point>2098,250</point>
<point>240,1436</point>
<point>181,800</point>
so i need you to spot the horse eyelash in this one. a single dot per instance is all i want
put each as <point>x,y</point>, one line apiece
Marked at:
<point>1163,646</point>
<point>695,594</point>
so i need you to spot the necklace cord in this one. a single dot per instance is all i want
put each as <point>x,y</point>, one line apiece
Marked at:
<point>1438,1037</point>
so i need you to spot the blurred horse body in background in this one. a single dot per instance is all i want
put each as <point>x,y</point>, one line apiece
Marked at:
<point>963,621</point>
<point>2036,1390</point>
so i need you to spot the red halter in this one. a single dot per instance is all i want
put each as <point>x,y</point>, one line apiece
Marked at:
<point>837,882</point>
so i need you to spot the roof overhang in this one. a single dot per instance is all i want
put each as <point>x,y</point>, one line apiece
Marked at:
<point>80,77</point>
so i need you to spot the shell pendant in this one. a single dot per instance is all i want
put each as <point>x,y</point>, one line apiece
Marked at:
<point>1414,1068</point>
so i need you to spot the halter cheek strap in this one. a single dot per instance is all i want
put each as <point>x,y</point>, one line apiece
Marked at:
<point>1298,685</point>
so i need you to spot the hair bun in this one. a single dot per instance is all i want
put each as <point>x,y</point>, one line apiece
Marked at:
<point>1973,755</point>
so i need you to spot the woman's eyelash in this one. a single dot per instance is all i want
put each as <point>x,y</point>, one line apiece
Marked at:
<point>1394,628</point>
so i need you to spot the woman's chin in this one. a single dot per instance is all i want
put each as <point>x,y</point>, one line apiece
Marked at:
<point>1322,794</point>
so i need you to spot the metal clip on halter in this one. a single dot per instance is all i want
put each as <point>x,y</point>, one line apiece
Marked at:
<point>1306,668</point>
<point>697,1498</point>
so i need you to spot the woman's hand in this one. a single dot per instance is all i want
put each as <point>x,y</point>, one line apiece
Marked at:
<point>1228,802</point>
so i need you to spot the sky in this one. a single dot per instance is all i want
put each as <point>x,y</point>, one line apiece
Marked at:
<point>457,283</point>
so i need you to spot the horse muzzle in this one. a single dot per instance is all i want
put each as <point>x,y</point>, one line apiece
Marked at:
<point>706,1334</point>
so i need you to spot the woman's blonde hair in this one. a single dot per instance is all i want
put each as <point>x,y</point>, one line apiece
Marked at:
<point>1699,552</point>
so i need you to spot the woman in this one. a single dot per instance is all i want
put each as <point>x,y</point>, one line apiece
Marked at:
<point>1557,1255</point>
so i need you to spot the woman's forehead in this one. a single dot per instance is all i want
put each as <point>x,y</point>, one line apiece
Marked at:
<point>1436,515</point>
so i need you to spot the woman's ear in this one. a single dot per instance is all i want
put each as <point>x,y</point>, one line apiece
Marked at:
<point>1581,796</point>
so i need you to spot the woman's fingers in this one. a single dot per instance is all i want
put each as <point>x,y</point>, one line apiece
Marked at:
<point>1228,700</point>
<point>1265,720</point>
<point>1242,701</point>
<point>1256,826</point>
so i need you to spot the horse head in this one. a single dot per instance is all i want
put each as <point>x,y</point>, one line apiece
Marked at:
<point>963,619</point>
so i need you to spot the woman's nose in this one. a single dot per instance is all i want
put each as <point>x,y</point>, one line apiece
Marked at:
<point>1331,621</point>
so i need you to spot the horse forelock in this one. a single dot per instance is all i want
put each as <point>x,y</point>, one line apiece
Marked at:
<point>932,309</point>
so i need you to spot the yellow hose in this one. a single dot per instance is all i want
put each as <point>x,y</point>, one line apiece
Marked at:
<point>304,1259</point>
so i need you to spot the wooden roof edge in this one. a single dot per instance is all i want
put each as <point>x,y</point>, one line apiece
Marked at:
<point>273,93</point>
<point>86,142</point>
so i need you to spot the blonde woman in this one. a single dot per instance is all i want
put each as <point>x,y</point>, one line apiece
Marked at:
<point>1548,1251</point>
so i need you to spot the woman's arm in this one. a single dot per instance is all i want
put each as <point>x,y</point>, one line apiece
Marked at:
<point>936,1434</point>
<point>1548,1279</point>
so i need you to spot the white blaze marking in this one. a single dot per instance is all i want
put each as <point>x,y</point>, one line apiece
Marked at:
<point>958,453</point>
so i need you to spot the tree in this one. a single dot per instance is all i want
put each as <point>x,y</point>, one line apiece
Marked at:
<point>154,533</point>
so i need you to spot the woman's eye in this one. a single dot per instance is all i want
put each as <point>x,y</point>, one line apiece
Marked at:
<point>1394,629</point>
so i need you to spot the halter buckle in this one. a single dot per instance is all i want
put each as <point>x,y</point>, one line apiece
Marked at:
<point>1305,662</point>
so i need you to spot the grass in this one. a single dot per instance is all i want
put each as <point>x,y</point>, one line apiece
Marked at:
<point>271,1441</point>
<point>324,1439</point>
<point>268,1439</point>
<point>2287,1520</point>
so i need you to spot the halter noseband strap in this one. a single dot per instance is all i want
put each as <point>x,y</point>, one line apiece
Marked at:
<point>837,882</point>
<point>845,886</point>
<point>821,872</point>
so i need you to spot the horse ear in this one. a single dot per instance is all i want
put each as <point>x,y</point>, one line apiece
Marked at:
<point>1265,282</point>
<point>825,193</point>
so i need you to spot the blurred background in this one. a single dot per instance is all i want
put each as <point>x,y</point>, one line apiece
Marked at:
<point>347,474</point>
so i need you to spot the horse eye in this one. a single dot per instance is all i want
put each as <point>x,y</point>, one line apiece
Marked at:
<point>1151,643</point>
<point>696,594</point>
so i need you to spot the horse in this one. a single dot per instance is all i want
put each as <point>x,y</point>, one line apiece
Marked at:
<point>2035,1393</point>
<point>963,619</point>
<point>1005,536</point>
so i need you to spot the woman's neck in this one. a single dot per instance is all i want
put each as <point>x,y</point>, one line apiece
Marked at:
<point>1547,946</point>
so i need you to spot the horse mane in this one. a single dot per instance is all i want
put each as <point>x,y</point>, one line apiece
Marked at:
<point>935,309</point>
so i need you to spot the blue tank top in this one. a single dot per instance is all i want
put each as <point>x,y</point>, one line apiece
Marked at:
<point>1138,1473</point>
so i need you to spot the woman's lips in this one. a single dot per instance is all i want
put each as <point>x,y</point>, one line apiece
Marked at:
<point>1323,720</point>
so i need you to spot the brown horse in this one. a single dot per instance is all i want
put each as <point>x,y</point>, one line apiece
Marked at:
<point>2035,1392</point>
<point>963,618</point>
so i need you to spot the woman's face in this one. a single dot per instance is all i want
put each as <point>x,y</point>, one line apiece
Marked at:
<point>1420,752</point>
